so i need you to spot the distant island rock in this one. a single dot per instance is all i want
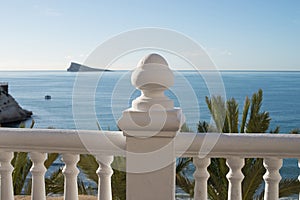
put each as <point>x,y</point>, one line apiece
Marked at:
<point>75,67</point>
<point>10,110</point>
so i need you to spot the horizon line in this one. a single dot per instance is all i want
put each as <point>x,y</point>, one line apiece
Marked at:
<point>187,70</point>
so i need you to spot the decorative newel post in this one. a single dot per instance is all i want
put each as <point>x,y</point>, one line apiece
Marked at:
<point>150,126</point>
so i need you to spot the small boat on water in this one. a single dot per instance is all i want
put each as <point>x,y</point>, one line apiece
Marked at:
<point>47,97</point>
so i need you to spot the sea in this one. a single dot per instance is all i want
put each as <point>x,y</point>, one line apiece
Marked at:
<point>107,94</point>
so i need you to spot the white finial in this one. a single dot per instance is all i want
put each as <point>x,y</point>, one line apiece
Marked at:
<point>152,76</point>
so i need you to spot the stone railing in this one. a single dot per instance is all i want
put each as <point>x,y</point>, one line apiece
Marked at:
<point>233,147</point>
<point>150,142</point>
<point>66,142</point>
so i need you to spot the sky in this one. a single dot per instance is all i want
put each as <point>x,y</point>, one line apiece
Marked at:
<point>236,34</point>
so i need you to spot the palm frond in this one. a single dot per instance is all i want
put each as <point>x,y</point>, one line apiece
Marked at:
<point>259,121</point>
<point>288,187</point>
<point>183,163</point>
<point>295,131</point>
<point>55,183</point>
<point>253,171</point>
<point>218,170</point>
<point>245,114</point>
<point>81,187</point>
<point>182,181</point>
<point>51,158</point>
<point>22,165</point>
<point>89,166</point>
<point>256,102</point>
<point>202,127</point>
<point>185,184</point>
<point>232,114</point>
<point>276,130</point>
<point>217,109</point>
<point>212,192</point>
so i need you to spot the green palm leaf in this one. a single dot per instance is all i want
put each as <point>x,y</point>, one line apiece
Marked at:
<point>232,116</point>
<point>253,171</point>
<point>288,187</point>
<point>217,109</point>
<point>259,121</point>
<point>22,165</point>
<point>185,183</point>
<point>55,183</point>
<point>51,158</point>
<point>245,114</point>
<point>202,127</point>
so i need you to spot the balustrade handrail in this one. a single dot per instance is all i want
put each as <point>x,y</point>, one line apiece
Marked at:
<point>114,142</point>
<point>62,141</point>
<point>246,145</point>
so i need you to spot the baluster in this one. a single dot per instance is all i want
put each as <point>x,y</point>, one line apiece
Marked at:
<point>70,172</point>
<point>6,169</point>
<point>235,177</point>
<point>38,171</point>
<point>201,176</point>
<point>104,173</point>
<point>272,178</point>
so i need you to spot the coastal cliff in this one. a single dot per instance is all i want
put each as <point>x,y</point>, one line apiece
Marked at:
<point>10,110</point>
<point>75,67</point>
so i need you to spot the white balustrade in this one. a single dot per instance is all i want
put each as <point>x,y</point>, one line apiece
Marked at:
<point>38,171</point>
<point>235,177</point>
<point>6,170</point>
<point>151,123</point>
<point>272,177</point>
<point>201,176</point>
<point>70,172</point>
<point>104,173</point>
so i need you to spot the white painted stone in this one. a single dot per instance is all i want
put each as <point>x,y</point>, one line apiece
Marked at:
<point>6,170</point>
<point>272,177</point>
<point>152,76</point>
<point>150,126</point>
<point>104,173</point>
<point>38,171</point>
<point>235,177</point>
<point>70,172</point>
<point>201,176</point>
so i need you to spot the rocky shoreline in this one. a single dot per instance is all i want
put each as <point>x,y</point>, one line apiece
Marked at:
<point>10,110</point>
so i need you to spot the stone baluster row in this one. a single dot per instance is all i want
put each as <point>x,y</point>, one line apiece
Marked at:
<point>6,170</point>
<point>70,172</point>
<point>235,177</point>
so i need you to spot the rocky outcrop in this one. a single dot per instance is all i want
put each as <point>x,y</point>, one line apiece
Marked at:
<point>75,67</point>
<point>10,110</point>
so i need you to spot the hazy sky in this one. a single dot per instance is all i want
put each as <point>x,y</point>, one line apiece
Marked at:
<point>49,34</point>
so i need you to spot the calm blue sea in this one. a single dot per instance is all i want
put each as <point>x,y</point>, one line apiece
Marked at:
<point>281,97</point>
